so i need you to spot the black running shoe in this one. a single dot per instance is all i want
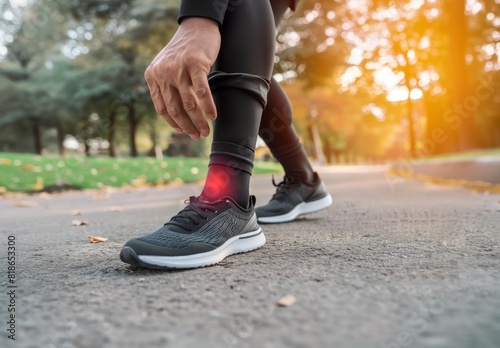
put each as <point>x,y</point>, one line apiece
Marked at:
<point>293,199</point>
<point>202,234</point>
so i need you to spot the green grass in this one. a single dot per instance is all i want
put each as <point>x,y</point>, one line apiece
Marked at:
<point>28,173</point>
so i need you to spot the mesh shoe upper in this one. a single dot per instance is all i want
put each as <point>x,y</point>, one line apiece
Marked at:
<point>289,194</point>
<point>200,227</point>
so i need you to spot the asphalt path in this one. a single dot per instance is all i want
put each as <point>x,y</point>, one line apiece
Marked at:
<point>392,263</point>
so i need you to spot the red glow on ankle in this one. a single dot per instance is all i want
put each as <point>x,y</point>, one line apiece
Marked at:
<point>218,184</point>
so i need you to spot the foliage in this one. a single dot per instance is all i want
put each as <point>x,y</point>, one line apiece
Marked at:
<point>373,53</point>
<point>373,78</point>
<point>24,172</point>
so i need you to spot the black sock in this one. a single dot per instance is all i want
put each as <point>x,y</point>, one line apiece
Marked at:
<point>223,181</point>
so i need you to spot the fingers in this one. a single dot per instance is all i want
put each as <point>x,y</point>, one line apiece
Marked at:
<point>162,109</point>
<point>158,102</point>
<point>183,100</point>
<point>202,91</point>
<point>176,111</point>
<point>192,107</point>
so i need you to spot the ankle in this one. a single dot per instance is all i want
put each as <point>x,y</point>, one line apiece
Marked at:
<point>223,182</point>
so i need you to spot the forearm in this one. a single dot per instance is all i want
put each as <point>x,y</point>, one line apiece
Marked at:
<point>212,9</point>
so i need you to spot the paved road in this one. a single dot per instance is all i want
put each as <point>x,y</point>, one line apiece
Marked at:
<point>485,168</point>
<point>391,264</point>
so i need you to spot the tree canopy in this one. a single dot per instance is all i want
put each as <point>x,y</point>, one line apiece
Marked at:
<point>375,79</point>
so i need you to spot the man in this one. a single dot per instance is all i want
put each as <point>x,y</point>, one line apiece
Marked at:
<point>218,65</point>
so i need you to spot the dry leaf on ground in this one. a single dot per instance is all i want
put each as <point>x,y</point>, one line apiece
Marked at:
<point>93,239</point>
<point>101,196</point>
<point>77,212</point>
<point>116,209</point>
<point>80,222</point>
<point>45,195</point>
<point>286,301</point>
<point>24,204</point>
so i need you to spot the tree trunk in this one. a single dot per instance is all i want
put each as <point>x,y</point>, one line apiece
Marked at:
<point>463,105</point>
<point>320,157</point>
<point>133,125</point>
<point>327,150</point>
<point>156,150</point>
<point>111,133</point>
<point>37,137</point>
<point>87,148</point>
<point>409,106</point>
<point>317,148</point>
<point>60,139</point>
<point>438,139</point>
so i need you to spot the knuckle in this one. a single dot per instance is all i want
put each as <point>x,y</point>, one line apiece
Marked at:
<point>189,105</point>
<point>201,92</point>
<point>172,111</point>
<point>161,110</point>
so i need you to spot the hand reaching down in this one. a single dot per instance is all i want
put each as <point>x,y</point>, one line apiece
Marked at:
<point>177,77</point>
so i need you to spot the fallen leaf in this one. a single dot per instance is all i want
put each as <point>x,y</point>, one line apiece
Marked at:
<point>28,167</point>
<point>116,209</point>
<point>38,185</point>
<point>77,212</point>
<point>100,196</point>
<point>140,181</point>
<point>286,301</point>
<point>5,161</point>
<point>93,239</point>
<point>80,222</point>
<point>24,204</point>
<point>45,195</point>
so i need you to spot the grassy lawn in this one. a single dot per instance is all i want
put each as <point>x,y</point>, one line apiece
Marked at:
<point>29,173</point>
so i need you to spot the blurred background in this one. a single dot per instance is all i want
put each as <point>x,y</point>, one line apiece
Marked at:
<point>371,81</point>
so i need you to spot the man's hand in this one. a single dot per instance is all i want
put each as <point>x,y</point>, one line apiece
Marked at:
<point>177,77</point>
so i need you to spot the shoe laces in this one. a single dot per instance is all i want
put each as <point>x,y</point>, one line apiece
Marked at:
<point>283,187</point>
<point>192,214</point>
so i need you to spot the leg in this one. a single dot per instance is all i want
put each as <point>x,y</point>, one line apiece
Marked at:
<point>276,129</point>
<point>240,82</point>
<point>222,221</point>
<point>302,191</point>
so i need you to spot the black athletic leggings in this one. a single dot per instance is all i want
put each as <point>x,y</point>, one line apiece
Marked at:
<point>241,81</point>
<point>248,102</point>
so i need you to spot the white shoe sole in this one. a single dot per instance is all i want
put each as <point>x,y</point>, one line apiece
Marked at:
<point>238,244</point>
<point>301,209</point>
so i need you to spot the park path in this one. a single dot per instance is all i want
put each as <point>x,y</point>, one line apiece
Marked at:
<point>392,263</point>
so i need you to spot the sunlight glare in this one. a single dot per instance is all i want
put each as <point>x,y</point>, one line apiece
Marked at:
<point>19,3</point>
<point>400,94</point>
<point>350,75</point>
<point>356,56</point>
<point>386,78</point>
